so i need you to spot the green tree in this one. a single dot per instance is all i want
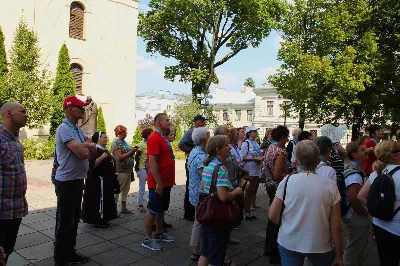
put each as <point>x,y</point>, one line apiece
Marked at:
<point>249,82</point>
<point>203,35</point>
<point>3,56</point>
<point>147,122</point>
<point>3,67</point>
<point>138,136</point>
<point>101,123</point>
<point>386,20</point>
<point>64,86</point>
<point>185,109</point>
<point>330,57</point>
<point>25,83</point>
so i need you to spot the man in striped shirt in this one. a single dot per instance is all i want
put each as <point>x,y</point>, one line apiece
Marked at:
<point>13,204</point>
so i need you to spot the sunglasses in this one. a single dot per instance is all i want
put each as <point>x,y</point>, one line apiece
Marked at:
<point>396,151</point>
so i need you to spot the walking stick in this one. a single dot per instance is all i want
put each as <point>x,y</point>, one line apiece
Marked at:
<point>101,211</point>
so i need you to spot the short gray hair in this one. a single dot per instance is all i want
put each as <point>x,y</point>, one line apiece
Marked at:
<point>219,130</point>
<point>307,155</point>
<point>199,134</point>
<point>296,131</point>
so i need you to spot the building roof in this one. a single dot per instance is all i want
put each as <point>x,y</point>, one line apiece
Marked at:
<point>222,96</point>
<point>160,94</point>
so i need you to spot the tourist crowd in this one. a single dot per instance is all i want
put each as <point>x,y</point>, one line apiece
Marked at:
<point>311,192</point>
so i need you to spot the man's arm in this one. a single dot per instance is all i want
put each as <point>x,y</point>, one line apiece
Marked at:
<point>156,174</point>
<point>182,143</point>
<point>78,148</point>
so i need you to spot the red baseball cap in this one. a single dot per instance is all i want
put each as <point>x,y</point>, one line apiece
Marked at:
<point>73,101</point>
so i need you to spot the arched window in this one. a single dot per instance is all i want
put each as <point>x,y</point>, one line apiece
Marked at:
<point>76,21</point>
<point>77,72</point>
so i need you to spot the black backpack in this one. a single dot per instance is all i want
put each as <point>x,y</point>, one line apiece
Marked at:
<point>341,184</point>
<point>381,197</point>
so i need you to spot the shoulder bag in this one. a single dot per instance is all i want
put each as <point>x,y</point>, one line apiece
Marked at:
<point>213,212</point>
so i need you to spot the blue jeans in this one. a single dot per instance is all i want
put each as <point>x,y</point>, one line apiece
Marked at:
<point>293,258</point>
<point>213,244</point>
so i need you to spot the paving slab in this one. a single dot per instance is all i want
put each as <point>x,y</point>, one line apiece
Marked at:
<point>120,244</point>
<point>116,257</point>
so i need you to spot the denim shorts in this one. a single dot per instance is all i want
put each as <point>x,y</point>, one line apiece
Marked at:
<point>214,243</point>
<point>159,204</point>
<point>294,258</point>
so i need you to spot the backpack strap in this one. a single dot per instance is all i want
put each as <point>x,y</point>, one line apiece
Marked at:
<point>394,170</point>
<point>351,172</point>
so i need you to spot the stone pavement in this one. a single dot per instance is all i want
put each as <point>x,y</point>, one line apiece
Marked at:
<point>120,244</point>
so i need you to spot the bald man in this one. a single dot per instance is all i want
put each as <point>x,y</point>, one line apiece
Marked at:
<point>13,204</point>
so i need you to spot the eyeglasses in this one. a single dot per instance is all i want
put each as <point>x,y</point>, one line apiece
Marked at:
<point>396,151</point>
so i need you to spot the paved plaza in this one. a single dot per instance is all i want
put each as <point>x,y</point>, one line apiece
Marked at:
<point>120,244</point>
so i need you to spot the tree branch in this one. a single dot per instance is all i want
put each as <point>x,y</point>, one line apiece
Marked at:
<point>230,55</point>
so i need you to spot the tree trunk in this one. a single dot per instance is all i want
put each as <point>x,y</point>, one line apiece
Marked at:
<point>355,128</point>
<point>302,119</point>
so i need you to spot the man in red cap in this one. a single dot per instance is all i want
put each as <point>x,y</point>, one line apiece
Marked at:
<point>72,151</point>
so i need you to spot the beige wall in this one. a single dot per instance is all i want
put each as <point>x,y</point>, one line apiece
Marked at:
<point>107,55</point>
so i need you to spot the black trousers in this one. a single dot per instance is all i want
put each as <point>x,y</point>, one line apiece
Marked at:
<point>188,207</point>
<point>388,247</point>
<point>8,234</point>
<point>69,201</point>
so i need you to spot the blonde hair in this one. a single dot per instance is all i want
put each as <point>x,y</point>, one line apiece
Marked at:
<point>215,142</point>
<point>232,133</point>
<point>352,147</point>
<point>384,154</point>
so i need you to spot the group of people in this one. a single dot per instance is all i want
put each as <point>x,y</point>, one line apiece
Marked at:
<point>310,191</point>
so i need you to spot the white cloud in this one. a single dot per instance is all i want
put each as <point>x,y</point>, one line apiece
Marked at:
<point>277,40</point>
<point>148,65</point>
<point>262,73</point>
<point>144,8</point>
<point>227,80</point>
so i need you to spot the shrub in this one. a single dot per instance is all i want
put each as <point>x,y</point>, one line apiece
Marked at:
<point>36,149</point>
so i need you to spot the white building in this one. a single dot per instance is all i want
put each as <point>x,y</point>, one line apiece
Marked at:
<point>151,103</point>
<point>101,36</point>
<point>234,107</point>
<point>269,112</point>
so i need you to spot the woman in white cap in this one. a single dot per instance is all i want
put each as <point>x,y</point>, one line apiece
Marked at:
<point>251,154</point>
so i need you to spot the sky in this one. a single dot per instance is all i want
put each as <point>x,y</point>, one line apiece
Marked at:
<point>257,63</point>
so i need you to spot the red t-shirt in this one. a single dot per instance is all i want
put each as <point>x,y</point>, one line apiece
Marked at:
<point>368,164</point>
<point>156,145</point>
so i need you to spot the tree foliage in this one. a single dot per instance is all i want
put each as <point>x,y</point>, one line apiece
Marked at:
<point>330,58</point>
<point>25,83</point>
<point>3,56</point>
<point>147,122</point>
<point>185,110</point>
<point>64,86</point>
<point>101,123</point>
<point>249,82</point>
<point>204,34</point>
<point>137,138</point>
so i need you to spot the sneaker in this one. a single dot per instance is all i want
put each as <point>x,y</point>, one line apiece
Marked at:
<point>164,238</point>
<point>151,244</point>
<point>78,259</point>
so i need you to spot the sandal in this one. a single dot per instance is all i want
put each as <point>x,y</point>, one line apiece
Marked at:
<point>142,209</point>
<point>126,211</point>
<point>195,257</point>
<point>252,209</point>
<point>119,215</point>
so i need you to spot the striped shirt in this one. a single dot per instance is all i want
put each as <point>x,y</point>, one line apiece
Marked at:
<point>13,184</point>
<point>222,178</point>
<point>336,163</point>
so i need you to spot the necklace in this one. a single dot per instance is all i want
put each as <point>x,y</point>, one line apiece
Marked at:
<point>166,141</point>
<point>69,123</point>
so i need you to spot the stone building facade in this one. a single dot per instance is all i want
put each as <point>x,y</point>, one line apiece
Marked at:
<point>101,36</point>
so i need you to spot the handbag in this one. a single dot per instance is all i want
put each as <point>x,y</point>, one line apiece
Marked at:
<point>271,238</point>
<point>244,183</point>
<point>213,212</point>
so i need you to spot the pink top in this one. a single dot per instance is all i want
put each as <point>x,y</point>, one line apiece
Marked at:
<point>272,153</point>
